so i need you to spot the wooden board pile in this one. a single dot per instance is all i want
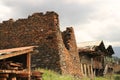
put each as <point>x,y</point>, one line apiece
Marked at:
<point>10,65</point>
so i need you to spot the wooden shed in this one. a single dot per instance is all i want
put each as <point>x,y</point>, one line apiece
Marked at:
<point>110,50</point>
<point>15,63</point>
<point>92,57</point>
<point>109,61</point>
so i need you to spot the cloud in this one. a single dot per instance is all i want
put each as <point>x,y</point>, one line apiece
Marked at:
<point>83,2</point>
<point>103,24</point>
<point>115,43</point>
<point>4,11</point>
<point>69,13</point>
<point>91,19</point>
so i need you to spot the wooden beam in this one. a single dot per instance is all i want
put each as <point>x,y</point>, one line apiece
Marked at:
<point>29,65</point>
<point>12,77</point>
<point>3,78</point>
<point>13,71</point>
<point>15,53</point>
<point>82,68</point>
<point>91,68</point>
<point>85,69</point>
<point>88,67</point>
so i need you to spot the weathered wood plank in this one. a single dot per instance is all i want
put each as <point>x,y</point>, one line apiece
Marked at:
<point>16,54</point>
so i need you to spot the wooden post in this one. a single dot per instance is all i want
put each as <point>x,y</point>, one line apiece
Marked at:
<point>85,70</point>
<point>82,68</point>
<point>13,78</point>
<point>29,65</point>
<point>105,70</point>
<point>88,67</point>
<point>91,70</point>
<point>92,74</point>
<point>4,76</point>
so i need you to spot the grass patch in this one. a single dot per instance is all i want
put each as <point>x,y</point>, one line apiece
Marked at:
<point>116,77</point>
<point>109,77</point>
<point>51,75</point>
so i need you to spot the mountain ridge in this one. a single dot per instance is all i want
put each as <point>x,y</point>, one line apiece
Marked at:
<point>117,51</point>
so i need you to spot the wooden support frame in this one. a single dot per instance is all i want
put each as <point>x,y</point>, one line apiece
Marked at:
<point>29,65</point>
<point>82,68</point>
<point>85,70</point>
<point>88,67</point>
<point>17,74</point>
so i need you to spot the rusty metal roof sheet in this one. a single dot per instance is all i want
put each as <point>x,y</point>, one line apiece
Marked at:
<point>96,47</point>
<point>89,46</point>
<point>89,43</point>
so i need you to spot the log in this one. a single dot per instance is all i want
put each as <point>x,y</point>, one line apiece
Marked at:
<point>10,65</point>
<point>16,64</point>
<point>37,75</point>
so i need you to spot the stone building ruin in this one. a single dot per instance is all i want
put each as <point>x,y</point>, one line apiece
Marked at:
<point>57,50</point>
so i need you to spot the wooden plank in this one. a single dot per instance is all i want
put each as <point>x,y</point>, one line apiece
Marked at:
<point>16,49</point>
<point>88,67</point>
<point>3,78</point>
<point>29,65</point>
<point>106,69</point>
<point>85,69</point>
<point>13,78</point>
<point>16,64</point>
<point>15,54</point>
<point>14,71</point>
<point>91,68</point>
<point>82,68</point>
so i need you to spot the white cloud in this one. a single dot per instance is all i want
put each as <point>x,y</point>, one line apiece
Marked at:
<point>93,19</point>
<point>103,23</point>
<point>4,11</point>
<point>115,44</point>
<point>83,36</point>
<point>83,2</point>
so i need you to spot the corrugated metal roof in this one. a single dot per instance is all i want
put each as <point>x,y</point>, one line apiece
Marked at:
<point>89,43</point>
<point>89,46</point>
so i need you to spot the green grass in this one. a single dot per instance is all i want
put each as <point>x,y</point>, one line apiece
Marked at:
<point>51,75</point>
<point>108,77</point>
<point>116,77</point>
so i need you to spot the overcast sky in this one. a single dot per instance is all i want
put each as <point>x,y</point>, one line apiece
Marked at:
<point>92,19</point>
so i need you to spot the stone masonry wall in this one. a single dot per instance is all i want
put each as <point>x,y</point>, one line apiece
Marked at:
<point>41,30</point>
<point>70,44</point>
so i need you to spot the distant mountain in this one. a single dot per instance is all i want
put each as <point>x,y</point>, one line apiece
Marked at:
<point>117,51</point>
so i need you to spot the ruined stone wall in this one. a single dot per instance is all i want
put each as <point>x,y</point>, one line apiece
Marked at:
<point>70,44</point>
<point>40,30</point>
